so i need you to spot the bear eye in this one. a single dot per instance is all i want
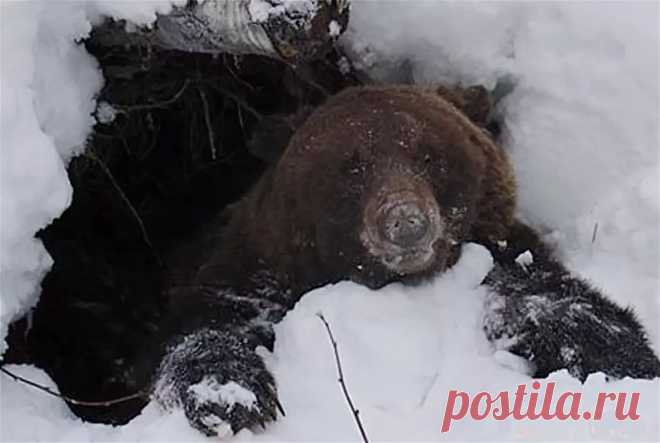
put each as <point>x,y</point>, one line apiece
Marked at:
<point>352,165</point>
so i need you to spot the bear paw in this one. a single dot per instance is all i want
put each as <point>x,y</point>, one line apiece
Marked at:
<point>221,409</point>
<point>221,384</point>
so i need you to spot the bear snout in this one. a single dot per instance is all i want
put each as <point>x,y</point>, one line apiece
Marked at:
<point>401,229</point>
<point>405,225</point>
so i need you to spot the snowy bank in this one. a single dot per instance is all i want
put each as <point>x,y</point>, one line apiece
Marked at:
<point>49,84</point>
<point>402,349</point>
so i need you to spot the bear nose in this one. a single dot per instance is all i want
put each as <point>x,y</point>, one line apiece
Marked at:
<point>405,225</point>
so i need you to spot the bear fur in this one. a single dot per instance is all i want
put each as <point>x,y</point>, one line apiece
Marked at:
<point>380,184</point>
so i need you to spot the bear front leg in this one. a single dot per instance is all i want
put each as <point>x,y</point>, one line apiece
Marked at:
<point>220,382</point>
<point>207,362</point>
<point>537,309</point>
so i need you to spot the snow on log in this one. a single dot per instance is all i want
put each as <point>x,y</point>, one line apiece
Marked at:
<point>290,30</point>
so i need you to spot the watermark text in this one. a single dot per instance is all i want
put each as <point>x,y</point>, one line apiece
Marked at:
<point>533,404</point>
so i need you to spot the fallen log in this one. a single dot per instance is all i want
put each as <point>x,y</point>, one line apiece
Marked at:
<point>289,30</point>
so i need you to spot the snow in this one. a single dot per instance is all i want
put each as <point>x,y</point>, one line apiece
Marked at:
<point>105,113</point>
<point>582,129</point>
<point>334,29</point>
<point>514,362</point>
<point>230,393</point>
<point>524,259</point>
<point>261,10</point>
<point>402,350</point>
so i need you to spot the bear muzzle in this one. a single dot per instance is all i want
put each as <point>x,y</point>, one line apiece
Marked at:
<point>401,228</point>
<point>405,225</point>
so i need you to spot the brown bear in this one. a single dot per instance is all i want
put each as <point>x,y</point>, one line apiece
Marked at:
<point>380,184</point>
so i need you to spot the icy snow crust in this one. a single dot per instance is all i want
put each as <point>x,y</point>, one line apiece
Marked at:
<point>582,129</point>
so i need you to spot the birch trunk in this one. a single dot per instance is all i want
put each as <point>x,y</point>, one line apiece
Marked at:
<point>290,30</point>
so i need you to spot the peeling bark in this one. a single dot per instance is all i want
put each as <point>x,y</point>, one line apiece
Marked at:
<point>290,30</point>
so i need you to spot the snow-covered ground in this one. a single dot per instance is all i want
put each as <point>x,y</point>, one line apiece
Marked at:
<point>402,349</point>
<point>583,127</point>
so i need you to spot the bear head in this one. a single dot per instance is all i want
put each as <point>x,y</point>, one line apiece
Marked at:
<point>380,184</point>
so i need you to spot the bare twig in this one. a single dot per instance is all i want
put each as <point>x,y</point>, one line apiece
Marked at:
<point>594,234</point>
<point>427,390</point>
<point>240,121</point>
<point>207,119</point>
<point>47,390</point>
<point>163,104</point>
<point>242,103</point>
<point>152,145</point>
<point>340,372</point>
<point>145,236</point>
<point>280,407</point>
<point>237,64</point>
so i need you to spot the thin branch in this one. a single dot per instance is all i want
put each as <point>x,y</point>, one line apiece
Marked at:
<point>163,104</point>
<point>240,121</point>
<point>47,390</point>
<point>207,119</point>
<point>236,62</point>
<point>280,407</point>
<point>129,205</point>
<point>427,390</point>
<point>340,372</point>
<point>152,145</point>
<point>594,234</point>
<point>237,99</point>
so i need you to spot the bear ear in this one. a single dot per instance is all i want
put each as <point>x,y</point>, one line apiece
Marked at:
<point>476,102</point>
<point>272,134</point>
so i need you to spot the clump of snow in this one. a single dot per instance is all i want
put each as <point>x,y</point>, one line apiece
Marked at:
<point>261,10</point>
<point>568,354</point>
<point>344,65</point>
<point>210,391</point>
<point>105,113</point>
<point>525,259</point>
<point>221,427</point>
<point>136,13</point>
<point>334,29</point>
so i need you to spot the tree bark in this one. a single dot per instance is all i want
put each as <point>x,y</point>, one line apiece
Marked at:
<point>290,30</point>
